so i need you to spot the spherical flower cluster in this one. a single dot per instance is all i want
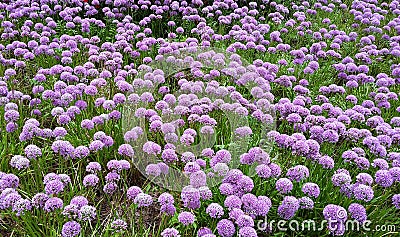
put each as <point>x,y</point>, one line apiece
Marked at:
<point>186,218</point>
<point>71,229</point>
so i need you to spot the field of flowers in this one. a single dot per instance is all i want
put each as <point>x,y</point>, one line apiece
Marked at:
<point>199,118</point>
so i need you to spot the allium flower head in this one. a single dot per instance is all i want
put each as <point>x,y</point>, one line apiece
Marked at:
<point>288,207</point>
<point>170,232</point>
<point>143,200</point>
<point>226,228</point>
<point>119,226</point>
<point>215,210</point>
<point>71,229</point>
<point>186,218</point>
<point>358,212</point>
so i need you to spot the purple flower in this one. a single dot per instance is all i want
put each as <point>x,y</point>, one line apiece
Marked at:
<point>32,151</point>
<point>363,192</point>
<point>87,213</point>
<point>54,187</point>
<point>132,192</point>
<point>245,220</point>
<point>90,180</point>
<point>190,197</point>
<point>52,204</point>
<point>226,228</point>
<point>153,170</point>
<point>143,200</point>
<point>364,178</point>
<point>170,232</point>
<point>341,179</point>
<point>284,185</point>
<point>39,200</point>
<point>336,217</point>
<point>19,162</point>
<point>288,207</point>
<point>110,187</point>
<point>151,148</point>
<point>198,179</point>
<point>306,203</point>
<point>126,150</point>
<point>233,201</point>
<point>275,170</point>
<point>168,209</point>
<point>119,225</point>
<point>79,201</point>
<point>358,212</point>
<point>71,229</point>
<point>186,218</point>
<point>215,210</point>
<point>247,232</point>
<point>311,189</point>
<point>298,173</point>
<point>383,178</point>
<point>396,200</point>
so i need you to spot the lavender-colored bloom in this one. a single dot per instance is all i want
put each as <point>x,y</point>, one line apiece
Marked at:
<point>327,162</point>
<point>336,217</point>
<point>186,218</point>
<point>247,232</point>
<point>306,203</point>
<point>245,220</point>
<point>383,178</point>
<point>198,179</point>
<point>71,229</point>
<point>298,173</point>
<point>87,213</point>
<point>153,170</point>
<point>396,200</point>
<point>32,151</point>
<point>226,228</point>
<point>54,187</point>
<point>151,148</point>
<point>90,180</point>
<point>132,192</point>
<point>395,173</point>
<point>126,150</point>
<point>81,152</point>
<point>341,179</point>
<point>364,178</point>
<point>363,192</point>
<point>284,185</point>
<point>168,209</point>
<point>70,211</point>
<point>215,210</point>
<point>275,169</point>
<point>358,212</point>
<point>110,187</point>
<point>79,201</point>
<point>52,204</point>
<point>169,156</point>
<point>119,226</point>
<point>288,207</point>
<point>19,162</point>
<point>204,231</point>
<point>166,198</point>
<point>143,200</point>
<point>170,232</point>
<point>311,189</point>
<point>190,197</point>
<point>39,200</point>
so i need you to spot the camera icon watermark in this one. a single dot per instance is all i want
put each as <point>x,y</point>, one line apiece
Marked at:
<point>188,104</point>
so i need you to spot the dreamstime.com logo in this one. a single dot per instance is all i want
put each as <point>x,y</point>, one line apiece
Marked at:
<point>319,226</point>
<point>207,90</point>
